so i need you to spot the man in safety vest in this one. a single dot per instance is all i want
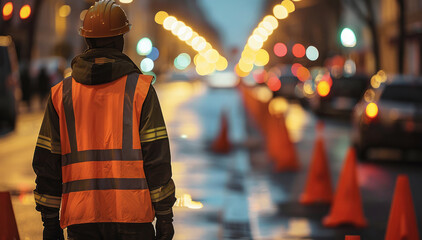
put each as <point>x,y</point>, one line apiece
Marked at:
<point>102,156</point>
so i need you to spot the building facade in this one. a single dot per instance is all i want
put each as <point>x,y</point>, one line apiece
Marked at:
<point>389,35</point>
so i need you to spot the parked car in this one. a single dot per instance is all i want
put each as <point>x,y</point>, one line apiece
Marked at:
<point>339,96</point>
<point>9,75</point>
<point>389,117</point>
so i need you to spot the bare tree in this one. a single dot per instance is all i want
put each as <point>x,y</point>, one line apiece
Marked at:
<point>402,35</point>
<point>32,25</point>
<point>365,10</point>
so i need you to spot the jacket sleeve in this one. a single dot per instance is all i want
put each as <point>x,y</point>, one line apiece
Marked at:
<point>156,155</point>
<point>47,164</point>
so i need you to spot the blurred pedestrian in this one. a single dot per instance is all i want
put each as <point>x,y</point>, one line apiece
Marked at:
<point>26,85</point>
<point>58,74</point>
<point>102,154</point>
<point>43,81</point>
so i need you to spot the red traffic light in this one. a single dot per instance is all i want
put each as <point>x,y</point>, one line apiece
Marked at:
<point>7,11</point>
<point>25,11</point>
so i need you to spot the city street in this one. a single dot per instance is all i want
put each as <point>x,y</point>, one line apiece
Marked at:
<point>236,195</point>
<point>287,119</point>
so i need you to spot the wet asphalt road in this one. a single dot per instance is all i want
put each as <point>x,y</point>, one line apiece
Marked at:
<point>233,196</point>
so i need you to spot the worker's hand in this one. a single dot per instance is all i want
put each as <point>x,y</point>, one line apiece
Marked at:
<point>52,229</point>
<point>164,229</point>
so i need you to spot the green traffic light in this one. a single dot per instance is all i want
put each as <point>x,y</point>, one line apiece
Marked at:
<point>348,37</point>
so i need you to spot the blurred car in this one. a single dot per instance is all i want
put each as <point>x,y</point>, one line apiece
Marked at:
<point>389,117</point>
<point>338,96</point>
<point>224,79</point>
<point>9,75</point>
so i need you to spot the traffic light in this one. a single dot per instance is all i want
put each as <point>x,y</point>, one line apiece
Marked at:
<point>7,11</point>
<point>348,38</point>
<point>8,8</point>
<point>25,11</point>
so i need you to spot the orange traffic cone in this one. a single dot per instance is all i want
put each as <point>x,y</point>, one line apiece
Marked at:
<point>245,96</point>
<point>352,237</point>
<point>9,229</point>
<point>222,144</point>
<point>286,158</point>
<point>318,186</point>
<point>272,134</point>
<point>402,221</point>
<point>347,206</point>
<point>263,115</point>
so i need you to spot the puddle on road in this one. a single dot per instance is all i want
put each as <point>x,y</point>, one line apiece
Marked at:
<point>296,120</point>
<point>186,201</point>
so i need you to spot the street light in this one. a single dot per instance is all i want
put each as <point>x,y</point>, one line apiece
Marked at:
<point>262,58</point>
<point>207,60</point>
<point>64,11</point>
<point>312,53</point>
<point>144,46</point>
<point>280,11</point>
<point>147,65</point>
<point>348,38</point>
<point>160,17</point>
<point>182,61</point>
<point>298,50</point>
<point>252,54</point>
<point>280,49</point>
<point>289,5</point>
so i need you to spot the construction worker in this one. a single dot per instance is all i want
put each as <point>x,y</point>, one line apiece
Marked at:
<point>102,156</point>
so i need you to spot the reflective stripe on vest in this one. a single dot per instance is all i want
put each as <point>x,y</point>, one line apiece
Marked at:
<point>102,168</point>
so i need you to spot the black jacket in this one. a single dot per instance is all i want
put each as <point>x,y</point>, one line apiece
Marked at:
<point>99,66</point>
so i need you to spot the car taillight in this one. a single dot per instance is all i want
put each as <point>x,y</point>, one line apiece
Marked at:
<point>323,88</point>
<point>371,110</point>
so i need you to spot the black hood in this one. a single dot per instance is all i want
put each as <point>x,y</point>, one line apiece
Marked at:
<point>101,65</point>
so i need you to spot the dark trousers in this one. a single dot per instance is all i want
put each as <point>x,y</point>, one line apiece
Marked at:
<point>111,231</point>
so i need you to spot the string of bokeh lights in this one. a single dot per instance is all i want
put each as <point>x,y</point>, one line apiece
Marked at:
<point>207,60</point>
<point>254,56</point>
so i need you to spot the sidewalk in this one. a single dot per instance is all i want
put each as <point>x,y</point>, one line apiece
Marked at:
<point>17,176</point>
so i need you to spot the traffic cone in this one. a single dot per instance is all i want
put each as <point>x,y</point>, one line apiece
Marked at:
<point>347,206</point>
<point>352,237</point>
<point>272,134</point>
<point>222,143</point>
<point>250,103</point>
<point>286,158</point>
<point>402,221</point>
<point>245,96</point>
<point>318,186</point>
<point>9,229</point>
<point>263,116</point>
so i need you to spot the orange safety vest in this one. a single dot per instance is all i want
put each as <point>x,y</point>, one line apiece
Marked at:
<point>102,166</point>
